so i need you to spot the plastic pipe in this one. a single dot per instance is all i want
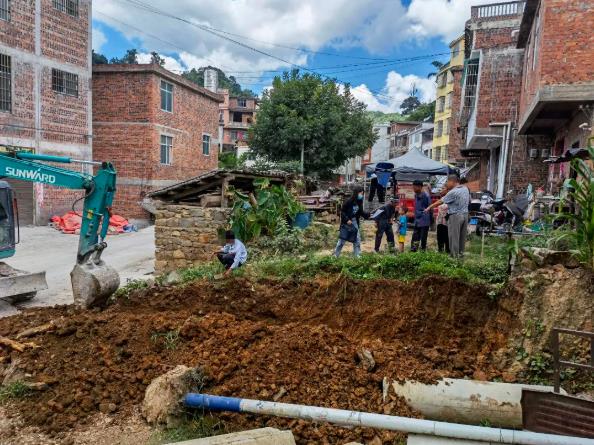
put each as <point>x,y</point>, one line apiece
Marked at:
<point>379,421</point>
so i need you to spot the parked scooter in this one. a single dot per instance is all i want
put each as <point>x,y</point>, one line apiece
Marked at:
<point>490,214</point>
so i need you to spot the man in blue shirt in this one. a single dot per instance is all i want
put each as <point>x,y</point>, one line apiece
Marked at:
<point>422,218</point>
<point>233,254</point>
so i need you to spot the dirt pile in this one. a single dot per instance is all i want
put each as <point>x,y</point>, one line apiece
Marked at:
<point>269,340</point>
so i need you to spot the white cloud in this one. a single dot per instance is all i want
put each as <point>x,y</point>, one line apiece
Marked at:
<point>396,89</point>
<point>170,63</point>
<point>99,39</point>
<point>440,18</point>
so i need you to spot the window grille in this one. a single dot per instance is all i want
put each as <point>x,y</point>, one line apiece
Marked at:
<point>205,144</point>
<point>69,7</point>
<point>166,145</point>
<point>64,83</point>
<point>5,10</point>
<point>5,84</point>
<point>166,96</point>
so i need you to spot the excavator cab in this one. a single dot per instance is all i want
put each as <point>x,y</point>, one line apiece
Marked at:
<point>8,221</point>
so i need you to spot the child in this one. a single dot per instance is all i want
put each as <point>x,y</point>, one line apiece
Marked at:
<point>402,225</point>
<point>233,254</point>
<point>443,243</point>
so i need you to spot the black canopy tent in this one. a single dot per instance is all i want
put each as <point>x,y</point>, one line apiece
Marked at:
<point>413,166</point>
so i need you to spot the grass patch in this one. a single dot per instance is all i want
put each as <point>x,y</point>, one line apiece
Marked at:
<point>170,339</point>
<point>15,390</point>
<point>126,290</point>
<point>195,426</point>
<point>406,267</point>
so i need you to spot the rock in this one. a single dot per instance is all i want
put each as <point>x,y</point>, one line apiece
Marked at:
<point>107,408</point>
<point>375,441</point>
<point>172,278</point>
<point>163,397</point>
<point>178,254</point>
<point>190,328</point>
<point>366,360</point>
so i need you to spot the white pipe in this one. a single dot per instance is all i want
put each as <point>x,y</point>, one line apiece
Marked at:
<point>380,421</point>
<point>502,167</point>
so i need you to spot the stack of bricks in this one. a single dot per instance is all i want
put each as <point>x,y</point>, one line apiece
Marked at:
<point>186,236</point>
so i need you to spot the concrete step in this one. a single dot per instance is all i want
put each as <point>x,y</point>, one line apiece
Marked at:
<point>263,436</point>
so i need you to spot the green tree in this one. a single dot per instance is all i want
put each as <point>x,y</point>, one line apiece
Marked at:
<point>99,59</point>
<point>410,104</point>
<point>422,112</point>
<point>304,117</point>
<point>131,57</point>
<point>438,66</point>
<point>157,59</point>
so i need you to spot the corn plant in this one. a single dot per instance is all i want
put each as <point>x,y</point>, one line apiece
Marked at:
<point>583,197</point>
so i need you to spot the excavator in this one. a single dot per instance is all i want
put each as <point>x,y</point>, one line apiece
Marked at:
<point>93,281</point>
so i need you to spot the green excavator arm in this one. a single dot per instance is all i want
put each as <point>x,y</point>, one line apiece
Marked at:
<point>92,280</point>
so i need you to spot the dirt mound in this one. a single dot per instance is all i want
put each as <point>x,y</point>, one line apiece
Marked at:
<point>269,340</point>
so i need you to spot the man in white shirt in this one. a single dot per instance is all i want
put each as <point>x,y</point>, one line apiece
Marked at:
<point>233,254</point>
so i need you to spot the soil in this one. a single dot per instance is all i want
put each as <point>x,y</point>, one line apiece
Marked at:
<point>293,342</point>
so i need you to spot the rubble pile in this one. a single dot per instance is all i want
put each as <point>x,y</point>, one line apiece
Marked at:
<point>324,343</point>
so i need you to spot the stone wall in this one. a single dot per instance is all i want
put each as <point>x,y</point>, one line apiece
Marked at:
<point>186,235</point>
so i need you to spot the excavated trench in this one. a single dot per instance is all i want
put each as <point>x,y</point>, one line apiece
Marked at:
<point>296,343</point>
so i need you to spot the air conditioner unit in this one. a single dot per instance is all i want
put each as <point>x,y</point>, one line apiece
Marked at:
<point>533,153</point>
<point>545,153</point>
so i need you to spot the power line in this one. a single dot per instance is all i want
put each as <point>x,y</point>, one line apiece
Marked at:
<point>162,13</point>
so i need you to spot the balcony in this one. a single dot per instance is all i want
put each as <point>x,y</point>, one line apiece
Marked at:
<point>241,125</point>
<point>497,10</point>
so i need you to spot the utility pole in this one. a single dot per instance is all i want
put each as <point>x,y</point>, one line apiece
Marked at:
<point>302,168</point>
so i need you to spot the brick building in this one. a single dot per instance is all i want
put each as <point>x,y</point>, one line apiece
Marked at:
<point>399,137</point>
<point>45,100</point>
<point>237,114</point>
<point>557,90</point>
<point>491,102</point>
<point>155,126</point>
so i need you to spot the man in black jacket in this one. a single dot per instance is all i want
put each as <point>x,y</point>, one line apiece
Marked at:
<point>384,218</point>
<point>350,218</point>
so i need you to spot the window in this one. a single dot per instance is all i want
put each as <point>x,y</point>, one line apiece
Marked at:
<point>242,103</point>
<point>450,76</point>
<point>437,153</point>
<point>448,103</point>
<point>166,145</point>
<point>440,104</point>
<point>5,84</point>
<point>70,7</point>
<point>206,145</point>
<point>446,126</point>
<point>5,10</point>
<point>64,83</point>
<point>166,96</point>
<point>536,40</point>
<point>439,128</point>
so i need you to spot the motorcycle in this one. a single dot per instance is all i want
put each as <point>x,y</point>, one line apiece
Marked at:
<point>502,215</point>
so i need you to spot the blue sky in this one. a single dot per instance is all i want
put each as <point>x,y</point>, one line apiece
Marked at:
<point>364,39</point>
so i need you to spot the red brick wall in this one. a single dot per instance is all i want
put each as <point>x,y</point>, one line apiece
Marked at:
<point>565,46</point>
<point>455,141</point>
<point>524,170</point>
<point>23,110</point>
<point>19,32</point>
<point>63,37</point>
<point>127,126</point>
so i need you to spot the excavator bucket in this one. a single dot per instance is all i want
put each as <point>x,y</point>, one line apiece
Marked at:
<point>93,283</point>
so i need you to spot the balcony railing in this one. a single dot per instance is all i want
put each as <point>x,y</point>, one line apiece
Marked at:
<point>232,124</point>
<point>498,10</point>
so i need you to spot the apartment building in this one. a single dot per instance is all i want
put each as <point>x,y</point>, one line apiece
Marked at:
<point>155,126</point>
<point>399,137</point>
<point>45,99</point>
<point>237,114</point>
<point>421,138</point>
<point>557,90</point>
<point>491,102</point>
<point>446,141</point>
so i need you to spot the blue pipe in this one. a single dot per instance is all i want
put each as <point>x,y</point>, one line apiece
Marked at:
<point>379,421</point>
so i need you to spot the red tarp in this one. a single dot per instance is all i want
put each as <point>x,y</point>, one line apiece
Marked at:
<point>70,223</point>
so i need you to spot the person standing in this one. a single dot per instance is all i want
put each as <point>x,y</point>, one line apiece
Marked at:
<point>350,219</point>
<point>384,219</point>
<point>372,187</point>
<point>443,244</point>
<point>402,226</point>
<point>422,218</point>
<point>233,254</point>
<point>458,200</point>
